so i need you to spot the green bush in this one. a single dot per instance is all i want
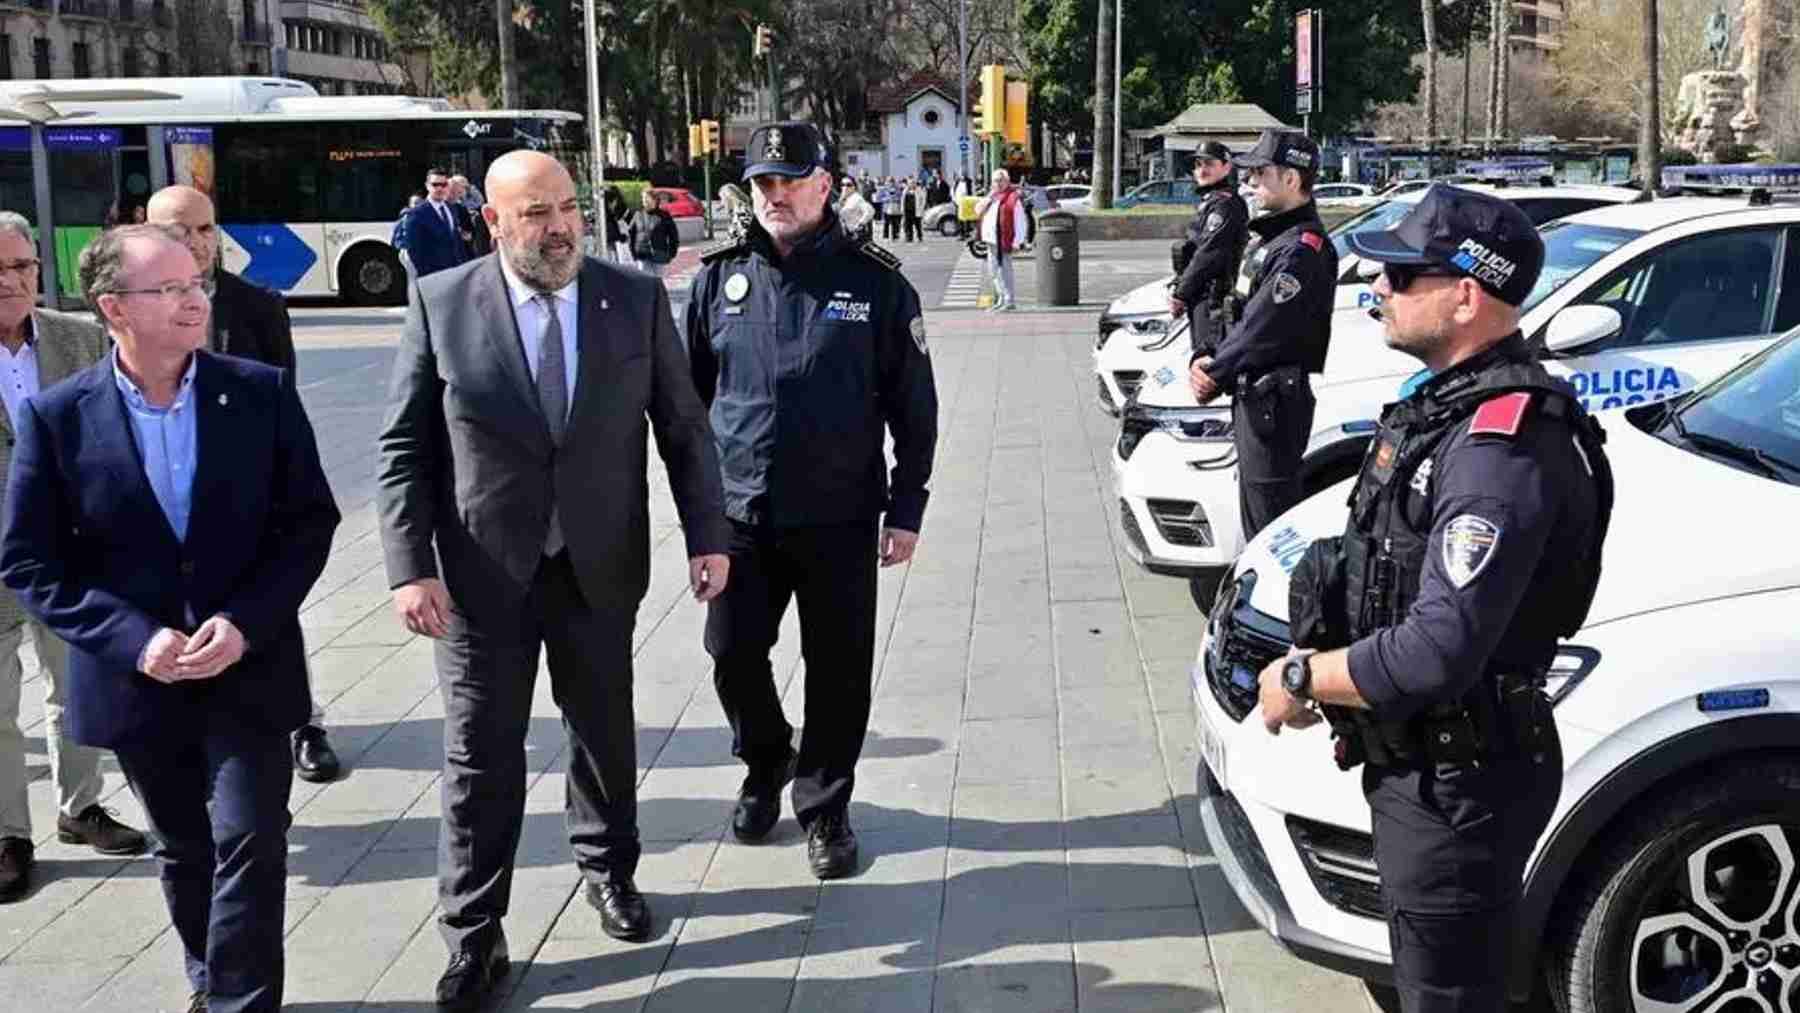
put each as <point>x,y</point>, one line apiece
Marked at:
<point>1679,156</point>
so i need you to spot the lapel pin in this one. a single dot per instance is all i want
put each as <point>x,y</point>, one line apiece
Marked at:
<point>604,304</point>
<point>224,399</point>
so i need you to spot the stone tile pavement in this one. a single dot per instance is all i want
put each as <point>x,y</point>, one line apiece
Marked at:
<point>1025,802</point>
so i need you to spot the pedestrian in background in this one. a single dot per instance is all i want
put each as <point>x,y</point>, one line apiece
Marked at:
<point>435,228</point>
<point>913,210</point>
<point>892,204</point>
<point>1005,226</point>
<point>464,193</point>
<point>167,516</point>
<point>39,348</point>
<point>652,235</point>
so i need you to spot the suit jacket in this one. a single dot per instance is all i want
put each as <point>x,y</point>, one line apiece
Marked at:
<point>430,244</point>
<point>465,463</point>
<point>65,345</point>
<point>92,556</point>
<point>251,322</point>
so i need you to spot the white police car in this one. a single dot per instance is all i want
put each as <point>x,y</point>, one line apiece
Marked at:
<point>1669,877</point>
<point>1141,317</point>
<point>1636,303</point>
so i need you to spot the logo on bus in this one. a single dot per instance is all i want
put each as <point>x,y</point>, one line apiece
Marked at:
<point>473,129</point>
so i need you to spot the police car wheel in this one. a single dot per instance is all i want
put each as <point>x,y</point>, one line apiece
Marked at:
<point>949,227</point>
<point>1694,905</point>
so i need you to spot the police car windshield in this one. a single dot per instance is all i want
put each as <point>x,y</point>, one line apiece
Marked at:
<point>1750,416</point>
<point>1378,217</point>
<point>1568,250</point>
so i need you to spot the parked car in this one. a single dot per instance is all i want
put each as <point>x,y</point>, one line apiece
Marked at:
<point>1344,195</point>
<point>1161,191</point>
<point>1072,196</point>
<point>678,202</point>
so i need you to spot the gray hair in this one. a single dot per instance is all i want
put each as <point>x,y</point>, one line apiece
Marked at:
<point>17,224</point>
<point>103,262</point>
<point>1002,175</point>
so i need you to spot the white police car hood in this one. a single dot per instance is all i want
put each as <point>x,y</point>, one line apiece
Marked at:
<point>1148,298</point>
<point>1685,528</point>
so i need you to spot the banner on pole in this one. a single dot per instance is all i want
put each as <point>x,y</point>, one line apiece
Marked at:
<point>1308,83</point>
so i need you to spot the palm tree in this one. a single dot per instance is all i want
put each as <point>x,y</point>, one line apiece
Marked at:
<point>1428,13</point>
<point>1103,108</point>
<point>509,62</point>
<point>1650,118</point>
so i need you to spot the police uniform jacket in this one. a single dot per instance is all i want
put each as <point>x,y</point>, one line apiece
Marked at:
<point>1216,239</point>
<point>1286,285</point>
<point>802,361</point>
<point>1511,502</point>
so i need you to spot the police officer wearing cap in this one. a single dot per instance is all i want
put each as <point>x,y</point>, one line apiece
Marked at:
<point>809,347</point>
<point>1473,544</point>
<point>1207,262</point>
<point>1282,303</point>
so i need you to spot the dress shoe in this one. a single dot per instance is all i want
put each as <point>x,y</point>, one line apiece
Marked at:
<point>15,867</point>
<point>831,846</point>
<point>314,759</point>
<point>623,911</point>
<point>472,974</point>
<point>197,1003</point>
<point>96,828</point>
<point>759,801</point>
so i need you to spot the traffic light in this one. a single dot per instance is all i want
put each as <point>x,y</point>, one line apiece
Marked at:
<point>992,110</point>
<point>696,140</point>
<point>709,129</point>
<point>1018,98</point>
<point>765,41</point>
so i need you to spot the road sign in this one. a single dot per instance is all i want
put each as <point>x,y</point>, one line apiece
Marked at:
<point>963,143</point>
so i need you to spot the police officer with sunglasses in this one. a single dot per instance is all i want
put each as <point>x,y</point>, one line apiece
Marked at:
<point>1473,544</point>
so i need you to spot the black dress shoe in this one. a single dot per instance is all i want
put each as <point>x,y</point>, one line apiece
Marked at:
<point>759,801</point>
<point>472,974</point>
<point>197,1003</point>
<point>16,860</point>
<point>314,759</point>
<point>623,912</point>
<point>96,828</point>
<point>831,846</point>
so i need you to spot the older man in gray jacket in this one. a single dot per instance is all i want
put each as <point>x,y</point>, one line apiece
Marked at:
<point>38,348</point>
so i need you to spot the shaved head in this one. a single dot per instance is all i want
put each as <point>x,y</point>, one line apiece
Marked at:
<point>189,212</point>
<point>535,218</point>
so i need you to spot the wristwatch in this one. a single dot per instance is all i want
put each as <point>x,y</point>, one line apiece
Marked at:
<point>1296,675</point>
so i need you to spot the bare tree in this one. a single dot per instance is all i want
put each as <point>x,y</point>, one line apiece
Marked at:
<point>1650,120</point>
<point>1428,15</point>
<point>1103,107</point>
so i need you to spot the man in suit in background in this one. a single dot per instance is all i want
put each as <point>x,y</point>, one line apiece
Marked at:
<point>251,322</point>
<point>39,347</point>
<point>434,229</point>
<point>514,455</point>
<point>167,516</point>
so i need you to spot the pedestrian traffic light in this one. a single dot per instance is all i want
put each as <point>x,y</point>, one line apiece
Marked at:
<point>709,129</point>
<point>1018,99</point>
<point>765,41</point>
<point>696,140</point>
<point>992,110</point>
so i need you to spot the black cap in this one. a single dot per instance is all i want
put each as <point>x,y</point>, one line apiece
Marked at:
<point>790,148</point>
<point>1288,148</point>
<point>1213,149</point>
<point>1475,234</point>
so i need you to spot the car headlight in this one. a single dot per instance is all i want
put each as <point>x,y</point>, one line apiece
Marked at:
<point>1195,425</point>
<point>1570,666</point>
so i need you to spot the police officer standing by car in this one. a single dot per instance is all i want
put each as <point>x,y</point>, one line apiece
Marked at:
<point>1282,305</point>
<point>807,345</point>
<point>1473,544</point>
<point>1211,250</point>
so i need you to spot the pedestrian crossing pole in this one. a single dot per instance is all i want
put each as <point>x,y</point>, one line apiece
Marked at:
<point>596,151</point>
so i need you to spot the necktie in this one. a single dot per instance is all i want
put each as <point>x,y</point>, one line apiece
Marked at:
<point>444,213</point>
<point>553,400</point>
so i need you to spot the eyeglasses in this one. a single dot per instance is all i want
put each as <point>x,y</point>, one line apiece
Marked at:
<point>434,184</point>
<point>24,267</point>
<point>172,289</point>
<point>1401,276</point>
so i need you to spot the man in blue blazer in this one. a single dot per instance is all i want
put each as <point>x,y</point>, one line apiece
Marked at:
<point>167,516</point>
<point>436,227</point>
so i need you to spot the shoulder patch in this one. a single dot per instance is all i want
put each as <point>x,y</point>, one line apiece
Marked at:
<point>1469,545</point>
<point>713,253</point>
<point>880,255</point>
<point>1501,416</point>
<point>1314,240</point>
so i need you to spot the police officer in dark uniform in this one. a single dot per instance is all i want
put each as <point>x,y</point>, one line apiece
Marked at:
<point>1473,544</point>
<point>1282,304</point>
<point>807,345</point>
<point>1211,250</point>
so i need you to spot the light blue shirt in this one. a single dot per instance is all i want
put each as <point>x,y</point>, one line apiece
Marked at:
<point>529,312</point>
<point>167,442</point>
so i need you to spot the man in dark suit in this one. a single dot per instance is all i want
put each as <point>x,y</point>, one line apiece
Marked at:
<point>166,517</point>
<point>514,455</point>
<point>250,322</point>
<point>435,229</point>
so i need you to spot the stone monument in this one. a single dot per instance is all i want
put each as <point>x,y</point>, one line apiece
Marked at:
<point>1714,105</point>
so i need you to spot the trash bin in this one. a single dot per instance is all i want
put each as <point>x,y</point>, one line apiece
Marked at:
<point>1058,259</point>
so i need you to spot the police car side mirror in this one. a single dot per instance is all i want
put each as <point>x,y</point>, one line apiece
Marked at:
<point>1578,326</point>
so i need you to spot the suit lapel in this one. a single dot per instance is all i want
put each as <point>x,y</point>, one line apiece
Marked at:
<point>216,399</point>
<point>594,309</point>
<point>493,307</point>
<point>109,428</point>
<point>55,363</point>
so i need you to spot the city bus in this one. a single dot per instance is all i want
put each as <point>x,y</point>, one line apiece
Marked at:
<point>307,187</point>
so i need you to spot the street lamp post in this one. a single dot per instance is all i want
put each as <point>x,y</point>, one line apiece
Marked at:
<point>596,152</point>
<point>962,97</point>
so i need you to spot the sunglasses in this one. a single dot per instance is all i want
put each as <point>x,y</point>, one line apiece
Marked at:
<point>1401,276</point>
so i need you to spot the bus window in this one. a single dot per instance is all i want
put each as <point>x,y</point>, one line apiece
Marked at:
<point>368,174</point>
<point>268,173</point>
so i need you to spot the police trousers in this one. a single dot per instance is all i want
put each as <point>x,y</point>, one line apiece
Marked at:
<point>1271,419</point>
<point>1451,841</point>
<point>831,571</point>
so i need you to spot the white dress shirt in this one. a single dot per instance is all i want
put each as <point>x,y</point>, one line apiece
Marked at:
<point>18,375</point>
<point>529,313</point>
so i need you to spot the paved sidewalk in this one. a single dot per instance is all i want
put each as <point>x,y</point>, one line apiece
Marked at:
<point>1025,803</point>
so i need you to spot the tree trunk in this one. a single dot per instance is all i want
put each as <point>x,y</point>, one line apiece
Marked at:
<point>1429,15</point>
<point>509,61</point>
<point>1493,89</point>
<point>1505,67</point>
<point>1462,131</point>
<point>1650,118</point>
<point>1103,107</point>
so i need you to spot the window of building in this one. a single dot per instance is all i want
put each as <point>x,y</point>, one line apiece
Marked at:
<point>932,119</point>
<point>128,62</point>
<point>40,57</point>
<point>165,65</point>
<point>79,54</point>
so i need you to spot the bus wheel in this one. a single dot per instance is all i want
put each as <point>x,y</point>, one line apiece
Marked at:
<point>372,276</point>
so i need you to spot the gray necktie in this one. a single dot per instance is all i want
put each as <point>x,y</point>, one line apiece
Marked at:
<point>444,213</point>
<point>553,400</point>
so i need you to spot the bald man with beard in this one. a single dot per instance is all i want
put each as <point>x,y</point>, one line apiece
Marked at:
<point>513,494</point>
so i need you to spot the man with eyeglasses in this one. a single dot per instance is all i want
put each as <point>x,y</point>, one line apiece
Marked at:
<point>1474,543</point>
<point>38,348</point>
<point>251,322</point>
<point>168,514</point>
<point>435,228</point>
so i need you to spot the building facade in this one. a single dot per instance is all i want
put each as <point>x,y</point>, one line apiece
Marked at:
<point>1536,28</point>
<point>335,46</point>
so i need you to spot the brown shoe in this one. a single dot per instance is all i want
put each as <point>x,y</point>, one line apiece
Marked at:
<point>15,868</point>
<point>96,828</point>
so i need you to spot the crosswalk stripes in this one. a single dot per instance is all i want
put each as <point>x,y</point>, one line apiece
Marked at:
<point>967,281</point>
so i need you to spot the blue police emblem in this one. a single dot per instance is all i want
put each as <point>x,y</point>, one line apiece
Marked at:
<point>1469,543</point>
<point>1164,376</point>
